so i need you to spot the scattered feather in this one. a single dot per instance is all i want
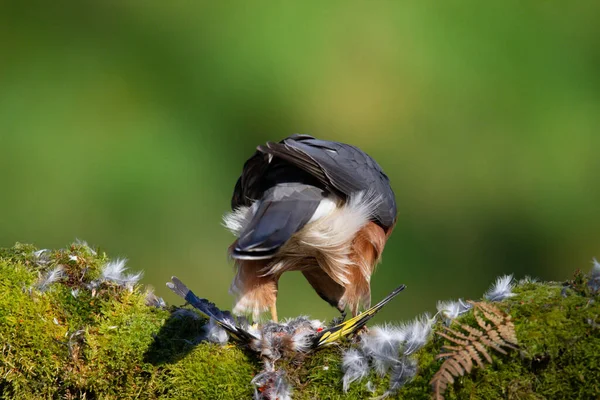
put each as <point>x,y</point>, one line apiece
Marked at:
<point>417,333</point>
<point>389,348</point>
<point>501,289</point>
<point>355,366</point>
<point>49,278</point>
<point>594,278</point>
<point>527,279</point>
<point>239,218</point>
<point>370,387</point>
<point>42,257</point>
<point>471,346</point>
<point>592,323</point>
<point>73,257</point>
<point>402,373</point>
<point>292,337</point>
<point>271,385</point>
<point>452,309</point>
<point>38,253</point>
<point>114,271</point>
<point>84,244</point>
<point>302,340</point>
<point>254,331</point>
<point>214,333</point>
<point>152,300</point>
<point>75,293</point>
<point>382,345</point>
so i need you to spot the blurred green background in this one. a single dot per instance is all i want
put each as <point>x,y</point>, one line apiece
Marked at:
<point>126,124</point>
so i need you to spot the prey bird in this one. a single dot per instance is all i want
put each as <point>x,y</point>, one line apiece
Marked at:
<point>299,335</point>
<point>323,208</point>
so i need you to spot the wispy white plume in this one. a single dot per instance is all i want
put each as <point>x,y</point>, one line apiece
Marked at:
<point>214,333</point>
<point>355,366</point>
<point>282,390</point>
<point>594,277</point>
<point>84,244</point>
<point>329,238</point>
<point>254,331</point>
<point>402,373</point>
<point>239,218</point>
<point>42,257</point>
<point>38,253</point>
<point>302,340</point>
<point>339,226</point>
<point>452,309</point>
<point>527,279</point>
<point>501,289</point>
<point>75,292</point>
<point>152,300</point>
<point>416,333</point>
<point>114,271</point>
<point>271,385</point>
<point>389,347</point>
<point>49,278</point>
<point>382,345</point>
<point>596,267</point>
<point>326,207</point>
<point>370,387</point>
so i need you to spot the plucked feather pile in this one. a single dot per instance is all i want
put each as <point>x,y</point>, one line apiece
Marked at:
<point>292,339</point>
<point>390,349</point>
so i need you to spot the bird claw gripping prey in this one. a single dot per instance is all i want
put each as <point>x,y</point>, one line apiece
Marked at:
<point>275,340</point>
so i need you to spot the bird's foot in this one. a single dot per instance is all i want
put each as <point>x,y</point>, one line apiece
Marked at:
<point>338,320</point>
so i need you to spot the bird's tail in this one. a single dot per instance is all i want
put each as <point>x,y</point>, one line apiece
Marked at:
<point>210,310</point>
<point>330,335</point>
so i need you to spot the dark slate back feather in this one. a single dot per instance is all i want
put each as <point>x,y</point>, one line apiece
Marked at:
<point>349,170</point>
<point>340,168</point>
<point>291,177</point>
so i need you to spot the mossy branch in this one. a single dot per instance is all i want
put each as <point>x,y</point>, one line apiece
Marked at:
<point>73,339</point>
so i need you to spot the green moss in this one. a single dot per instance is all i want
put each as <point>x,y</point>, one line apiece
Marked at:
<point>108,344</point>
<point>558,357</point>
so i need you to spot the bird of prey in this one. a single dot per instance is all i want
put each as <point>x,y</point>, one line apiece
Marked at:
<point>323,208</point>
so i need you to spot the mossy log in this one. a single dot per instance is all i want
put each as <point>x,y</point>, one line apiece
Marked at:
<point>71,339</point>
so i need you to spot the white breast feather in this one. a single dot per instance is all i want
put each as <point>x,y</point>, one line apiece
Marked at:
<point>326,207</point>
<point>342,224</point>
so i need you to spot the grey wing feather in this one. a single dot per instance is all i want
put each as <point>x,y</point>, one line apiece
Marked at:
<point>341,168</point>
<point>282,211</point>
<point>247,187</point>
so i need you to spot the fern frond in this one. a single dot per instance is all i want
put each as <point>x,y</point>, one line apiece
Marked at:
<point>470,345</point>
